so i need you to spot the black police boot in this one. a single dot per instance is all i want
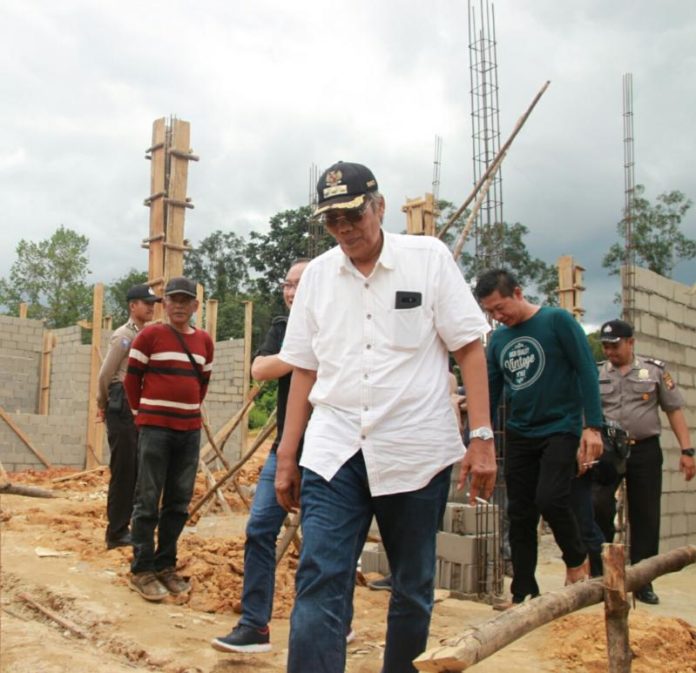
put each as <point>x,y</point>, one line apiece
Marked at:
<point>647,595</point>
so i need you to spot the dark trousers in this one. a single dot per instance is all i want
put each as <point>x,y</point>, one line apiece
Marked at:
<point>122,435</point>
<point>581,504</point>
<point>538,474</point>
<point>643,492</point>
<point>167,466</point>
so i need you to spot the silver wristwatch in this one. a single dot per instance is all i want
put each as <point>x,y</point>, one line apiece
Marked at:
<point>481,433</point>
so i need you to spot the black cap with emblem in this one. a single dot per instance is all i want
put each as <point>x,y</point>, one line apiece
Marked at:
<point>614,330</point>
<point>344,185</point>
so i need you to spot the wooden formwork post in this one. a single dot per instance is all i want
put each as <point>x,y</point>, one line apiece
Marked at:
<point>199,312</point>
<point>155,241</point>
<point>95,430</point>
<point>420,215</point>
<point>23,307</point>
<point>211,312</point>
<point>616,608</point>
<point>570,286</point>
<point>176,200</point>
<point>49,343</point>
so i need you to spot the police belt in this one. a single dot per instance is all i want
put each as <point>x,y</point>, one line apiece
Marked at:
<point>632,441</point>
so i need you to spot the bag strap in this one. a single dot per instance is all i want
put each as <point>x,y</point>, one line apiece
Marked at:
<point>194,364</point>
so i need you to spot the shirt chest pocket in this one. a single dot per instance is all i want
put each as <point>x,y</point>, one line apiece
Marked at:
<point>407,327</point>
<point>605,387</point>
<point>643,389</point>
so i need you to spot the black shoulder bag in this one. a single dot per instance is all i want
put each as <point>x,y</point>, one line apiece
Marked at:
<point>194,364</point>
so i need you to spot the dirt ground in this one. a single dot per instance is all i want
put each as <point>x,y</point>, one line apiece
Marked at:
<point>52,552</point>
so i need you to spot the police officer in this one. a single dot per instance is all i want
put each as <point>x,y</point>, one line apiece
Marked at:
<point>632,387</point>
<point>113,407</point>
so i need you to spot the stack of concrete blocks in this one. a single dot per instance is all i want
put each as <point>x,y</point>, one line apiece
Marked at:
<point>61,435</point>
<point>466,548</point>
<point>665,326</point>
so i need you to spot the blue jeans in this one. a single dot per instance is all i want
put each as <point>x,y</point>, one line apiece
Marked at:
<point>167,466</point>
<point>336,516</point>
<point>265,521</point>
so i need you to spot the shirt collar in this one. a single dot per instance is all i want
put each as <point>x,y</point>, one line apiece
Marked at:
<point>132,326</point>
<point>386,256</point>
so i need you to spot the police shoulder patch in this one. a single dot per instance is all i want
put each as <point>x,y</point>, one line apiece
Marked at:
<point>669,381</point>
<point>656,362</point>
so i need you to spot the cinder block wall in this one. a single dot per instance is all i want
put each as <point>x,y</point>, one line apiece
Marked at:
<point>665,324</point>
<point>60,436</point>
<point>21,342</point>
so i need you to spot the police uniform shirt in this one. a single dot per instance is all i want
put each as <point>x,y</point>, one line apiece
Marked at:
<point>632,399</point>
<point>113,369</point>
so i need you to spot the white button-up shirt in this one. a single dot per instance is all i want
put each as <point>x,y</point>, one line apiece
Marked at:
<point>382,375</point>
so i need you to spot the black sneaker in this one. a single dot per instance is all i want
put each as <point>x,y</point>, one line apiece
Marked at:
<point>244,638</point>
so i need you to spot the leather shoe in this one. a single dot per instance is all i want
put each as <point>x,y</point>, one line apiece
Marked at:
<point>120,541</point>
<point>647,595</point>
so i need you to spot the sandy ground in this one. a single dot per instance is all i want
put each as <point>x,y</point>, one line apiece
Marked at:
<point>52,551</point>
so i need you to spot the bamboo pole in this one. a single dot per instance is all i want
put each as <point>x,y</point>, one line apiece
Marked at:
<point>493,167</point>
<point>485,639</point>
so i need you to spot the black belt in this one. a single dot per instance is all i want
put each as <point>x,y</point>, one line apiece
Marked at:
<point>634,442</point>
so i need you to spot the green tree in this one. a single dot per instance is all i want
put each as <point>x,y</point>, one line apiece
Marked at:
<point>50,277</point>
<point>115,302</point>
<point>596,346</point>
<point>658,242</point>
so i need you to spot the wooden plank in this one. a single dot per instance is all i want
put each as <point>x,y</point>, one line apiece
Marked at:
<point>23,307</point>
<point>17,430</point>
<point>211,313</point>
<point>176,191</point>
<point>199,310</point>
<point>155,272</point>
<point>49,343</point>
<point>95,429</point>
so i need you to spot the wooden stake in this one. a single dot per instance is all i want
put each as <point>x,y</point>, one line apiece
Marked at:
<point>66,624</point>
<point>176,193</point>
<point>15,428</point>
<point>616,608</point>
<point>23,311</point>
<point>483,640</point>
<point>211,313</point>
<point>49,343</point>
<point>156,205</point>
<point>246,372</point>
<point>77,475</point>
<point>95,430</point>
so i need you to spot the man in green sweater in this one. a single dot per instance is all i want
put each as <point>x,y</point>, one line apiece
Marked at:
<point>542,360</point>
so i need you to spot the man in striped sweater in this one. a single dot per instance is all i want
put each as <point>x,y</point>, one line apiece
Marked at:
<point>169,368</point>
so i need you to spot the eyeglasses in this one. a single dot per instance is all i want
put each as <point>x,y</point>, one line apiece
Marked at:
<point>351,216</point>
<point>287,285</point>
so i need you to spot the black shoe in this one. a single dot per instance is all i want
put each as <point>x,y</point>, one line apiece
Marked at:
<point>385,584</point>
<point>647,595</point>
<point>244,639</point>
<point>123,540</point>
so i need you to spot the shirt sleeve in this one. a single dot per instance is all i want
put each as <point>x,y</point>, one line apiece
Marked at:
<point>208,366</point>
<point>458,318</point>
<point>118,349</point>
<point>577,349</point>
<point>297,345</point>
<point>669,395</point>
<point>138,360</point>
<point>273,341</point>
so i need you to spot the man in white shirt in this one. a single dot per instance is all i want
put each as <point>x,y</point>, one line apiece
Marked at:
<point>368,338</point>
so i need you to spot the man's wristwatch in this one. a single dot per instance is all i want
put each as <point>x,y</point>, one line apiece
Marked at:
<point>688,452</point>
<point>483,433</point>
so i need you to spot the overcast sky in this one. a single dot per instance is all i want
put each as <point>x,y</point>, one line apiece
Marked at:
<point>271,88</point>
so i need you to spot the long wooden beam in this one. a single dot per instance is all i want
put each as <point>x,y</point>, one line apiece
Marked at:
<point>485,639</point>
<point>18,431</point>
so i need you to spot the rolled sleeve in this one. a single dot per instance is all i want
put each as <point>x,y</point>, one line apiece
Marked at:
<point>297,345</point>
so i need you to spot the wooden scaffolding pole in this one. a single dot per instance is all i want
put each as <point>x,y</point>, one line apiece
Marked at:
<point>49,343</point>
<point>155,241</point>
<point>199,311</point>
<point>211,313</point>
<point>246,374</point>
<point>95,430</point>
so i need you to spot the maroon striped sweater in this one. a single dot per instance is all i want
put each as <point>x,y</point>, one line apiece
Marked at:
<point>160,382</point>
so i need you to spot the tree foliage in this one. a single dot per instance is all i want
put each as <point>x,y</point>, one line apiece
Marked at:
<point>115,302</point>
<point>50,277</point>
<point>658,242</point>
